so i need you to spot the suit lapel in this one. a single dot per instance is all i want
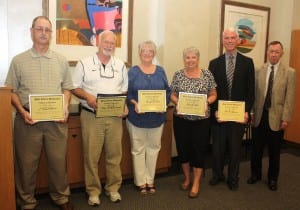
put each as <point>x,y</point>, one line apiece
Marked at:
<point>223,64</point>
<point>263,77</point>
<point>238,65</point>
<point>279,74</point>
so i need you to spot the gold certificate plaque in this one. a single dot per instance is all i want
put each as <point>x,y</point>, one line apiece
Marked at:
<point>231,110</point>
<point>152,100</point>
<point>192,104</point>
<point>46,107</point>
<point>110,105</point>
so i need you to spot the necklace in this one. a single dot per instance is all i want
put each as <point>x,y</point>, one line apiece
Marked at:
<point>195,73</point>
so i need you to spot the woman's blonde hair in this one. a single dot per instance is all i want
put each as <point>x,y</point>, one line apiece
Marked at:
<point>191,50</point>
<point>148,42</point>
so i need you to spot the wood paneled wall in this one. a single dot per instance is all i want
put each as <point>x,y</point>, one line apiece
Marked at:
<point>292,132</point>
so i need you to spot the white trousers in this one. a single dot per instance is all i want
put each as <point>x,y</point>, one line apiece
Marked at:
<point>145,146</point>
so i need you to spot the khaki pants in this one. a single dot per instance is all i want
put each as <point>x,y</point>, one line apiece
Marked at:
<point>101,133</point>
<point>29,140</point>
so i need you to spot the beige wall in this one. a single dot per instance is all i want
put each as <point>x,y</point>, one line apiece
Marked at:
<point>296,17</point>
<point>197,23</point>
<point>180,25</point>
<point>173,26</point>
<point>15,21</point>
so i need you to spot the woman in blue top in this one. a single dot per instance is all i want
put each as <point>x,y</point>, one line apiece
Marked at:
<point>191,131</point>
<point>145,129</point>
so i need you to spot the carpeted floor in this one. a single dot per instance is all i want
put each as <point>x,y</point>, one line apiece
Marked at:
<point>169,197</point>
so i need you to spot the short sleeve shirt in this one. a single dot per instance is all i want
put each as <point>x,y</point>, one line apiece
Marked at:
<point>201,85</point>
<point>31,73</point>
<point>94,78</point>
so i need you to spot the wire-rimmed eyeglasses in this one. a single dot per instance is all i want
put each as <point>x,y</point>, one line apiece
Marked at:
<point>107,72</point>
<point>42,29</point>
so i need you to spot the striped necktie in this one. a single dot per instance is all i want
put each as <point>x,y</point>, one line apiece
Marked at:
<point>229,74</point>
<point>267,104</point>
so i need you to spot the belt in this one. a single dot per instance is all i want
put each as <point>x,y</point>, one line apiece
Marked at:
<point>26,108</point>
<point>87,109</point>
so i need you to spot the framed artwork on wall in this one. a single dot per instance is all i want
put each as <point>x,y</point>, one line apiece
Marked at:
<point>76,25</point>
<point>252,24</point>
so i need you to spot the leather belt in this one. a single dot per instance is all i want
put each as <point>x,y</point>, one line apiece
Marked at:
<point>88,110</point>
<point>26,109</point>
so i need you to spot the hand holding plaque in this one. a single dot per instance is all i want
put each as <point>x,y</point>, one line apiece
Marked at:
<point>110,105</point>
<point>46,107</point>
<point>231,110</point>
<point>152,100</point>
<point>192,104</point>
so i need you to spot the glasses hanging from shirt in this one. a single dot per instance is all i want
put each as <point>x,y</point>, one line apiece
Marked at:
<point>107,71</point>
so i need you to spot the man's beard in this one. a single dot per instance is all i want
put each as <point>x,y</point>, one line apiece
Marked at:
<point>107,52</point>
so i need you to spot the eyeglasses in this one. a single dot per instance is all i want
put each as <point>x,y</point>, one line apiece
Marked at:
<point>42,29</point>
<point>147,51</point>
<point>107,72</point>
<point>109,43</point>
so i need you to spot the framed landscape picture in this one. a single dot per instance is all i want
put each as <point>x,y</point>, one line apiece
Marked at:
<point>252,24</point>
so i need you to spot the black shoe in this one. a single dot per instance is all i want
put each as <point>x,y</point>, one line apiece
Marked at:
<point>272,185</point>
<point>253,179</point>
<point>233,186</point>
<point>215,180</point>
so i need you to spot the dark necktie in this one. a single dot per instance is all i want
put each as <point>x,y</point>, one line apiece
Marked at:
<point>267,104</point>
<point>229,74</point>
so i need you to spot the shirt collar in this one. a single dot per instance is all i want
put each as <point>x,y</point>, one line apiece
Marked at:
<point>35,54</point>
<point>98,62</point>
<point>275,65</point>
<point>228,54</point>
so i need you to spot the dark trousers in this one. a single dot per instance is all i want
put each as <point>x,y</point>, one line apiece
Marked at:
<point>191,137</point>
<point>227,137</point>
<point>263,135</point>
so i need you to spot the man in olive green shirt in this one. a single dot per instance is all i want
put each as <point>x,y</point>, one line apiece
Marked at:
<point>40,71</point>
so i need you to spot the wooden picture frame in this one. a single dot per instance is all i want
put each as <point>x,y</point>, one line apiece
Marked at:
<point>75,52</point>
<point>252,24</point>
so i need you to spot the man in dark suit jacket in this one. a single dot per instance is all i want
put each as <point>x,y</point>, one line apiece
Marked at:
<point>271,118</point>
<point>240,87</point>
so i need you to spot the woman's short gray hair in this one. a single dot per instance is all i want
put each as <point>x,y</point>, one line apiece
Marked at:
<point>191,50</point>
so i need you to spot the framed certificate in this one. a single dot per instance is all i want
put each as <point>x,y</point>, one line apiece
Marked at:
<point>152,100</point>
<point>46,107</point>
<point>192,104</point>
<point>110,105</point>
<point>231,110</point>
